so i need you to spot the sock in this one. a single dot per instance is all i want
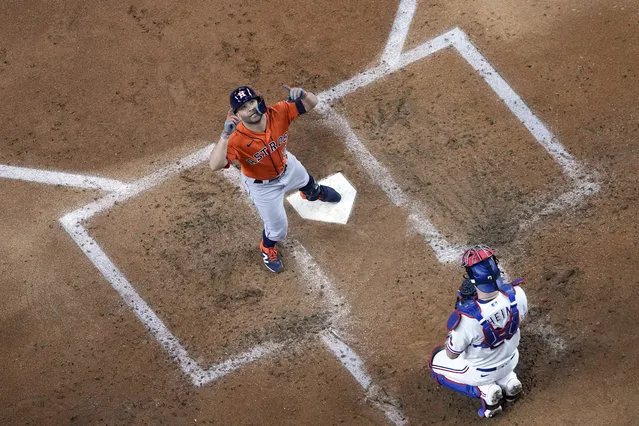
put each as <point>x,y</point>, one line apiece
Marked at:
<point>310,186</point>
<point>266,242</point>
<point>311,190</point>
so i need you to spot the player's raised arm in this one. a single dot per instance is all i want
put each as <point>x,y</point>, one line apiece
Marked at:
<point>218,160</point>
<point>309,100</point>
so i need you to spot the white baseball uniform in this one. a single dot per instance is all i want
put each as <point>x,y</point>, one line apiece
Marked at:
<point>478,365</point>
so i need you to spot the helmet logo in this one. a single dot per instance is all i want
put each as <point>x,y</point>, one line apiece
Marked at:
<point>241,95</point>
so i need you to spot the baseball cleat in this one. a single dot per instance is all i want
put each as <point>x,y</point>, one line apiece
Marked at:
<point>271,258</point>
<point>329,195</point>
<point>491,398</point>
<point>491,412</point>
<point>326,194</point>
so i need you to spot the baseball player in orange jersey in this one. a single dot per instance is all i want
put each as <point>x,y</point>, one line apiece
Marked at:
<point>256,136</point>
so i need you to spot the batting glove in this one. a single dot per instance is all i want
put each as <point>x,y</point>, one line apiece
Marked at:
<point>295,94</point>
<point>230,125</point>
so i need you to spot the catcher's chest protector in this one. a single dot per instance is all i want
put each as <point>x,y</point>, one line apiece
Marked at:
<point>494,337</point>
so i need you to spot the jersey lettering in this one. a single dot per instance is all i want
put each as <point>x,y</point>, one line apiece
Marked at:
<point>264,158</point>
<point>259,155</point>
<point>264,152</point>
<point>494,332</point>
<point>496,318</point>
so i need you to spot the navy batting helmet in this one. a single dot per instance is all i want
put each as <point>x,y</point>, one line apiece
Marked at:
<point>243,94</point>
<point>481,266</point>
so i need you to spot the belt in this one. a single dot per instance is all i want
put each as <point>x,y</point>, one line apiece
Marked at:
<point>487,370</point>
<point>271,180</point>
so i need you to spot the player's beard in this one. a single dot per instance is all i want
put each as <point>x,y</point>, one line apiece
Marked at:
<point>254,118</point>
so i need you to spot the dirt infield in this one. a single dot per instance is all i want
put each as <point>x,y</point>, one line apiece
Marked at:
<point>113,93</point>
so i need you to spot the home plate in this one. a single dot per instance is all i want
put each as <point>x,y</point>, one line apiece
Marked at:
<point>327,212</point>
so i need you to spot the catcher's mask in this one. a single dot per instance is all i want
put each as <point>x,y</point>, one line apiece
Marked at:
<point>481,266</point>
<point>242,95</point>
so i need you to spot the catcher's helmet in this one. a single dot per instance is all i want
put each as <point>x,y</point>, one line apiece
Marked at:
<point>243,94</point>
<point>481,266</point>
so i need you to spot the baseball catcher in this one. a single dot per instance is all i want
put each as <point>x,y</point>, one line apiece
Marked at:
<point>480,353</point>
<point>256,137</point>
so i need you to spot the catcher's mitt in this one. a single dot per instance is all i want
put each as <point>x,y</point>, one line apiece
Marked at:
<point>466,292</point>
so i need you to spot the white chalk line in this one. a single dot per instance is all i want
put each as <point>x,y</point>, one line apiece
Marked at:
<point>516,105</point>
<point>311,273</point>
<point>375,170</point>
<point>392,61</point>
<point>568,200</point>
<point>372,75</point>
<point>72,223</point>
<point>379,174</point>
<point>130,296</point>
<point>315,278</point>
<point>61,178</point>
<point>375,395</point>
<point>137,187</point>
<point>319,283</point>
<point>582,184</point>
<point>152,322</point>
<point>220,370</point>
<point>399,32</point>
<point>446,252</point>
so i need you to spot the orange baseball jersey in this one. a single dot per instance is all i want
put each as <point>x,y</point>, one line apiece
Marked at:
<point>262,155</point>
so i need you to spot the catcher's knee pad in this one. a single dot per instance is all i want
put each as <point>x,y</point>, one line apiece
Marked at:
<point>471,391</point>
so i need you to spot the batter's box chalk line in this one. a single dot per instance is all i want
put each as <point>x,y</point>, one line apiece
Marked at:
<point>392,59</point>
<point>311,275</point>
<point>582,184</point>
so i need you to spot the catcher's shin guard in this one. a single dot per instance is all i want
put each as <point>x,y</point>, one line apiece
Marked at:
<point>471,391</point>
<point>490,395</point>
